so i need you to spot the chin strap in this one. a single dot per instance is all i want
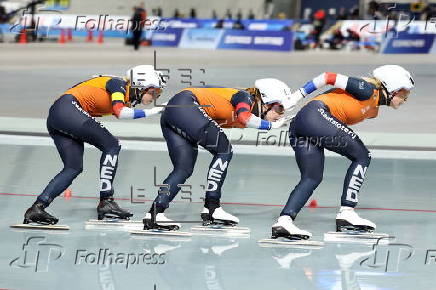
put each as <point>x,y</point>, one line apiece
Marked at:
<point>134,100</point>
<point>385,97</point>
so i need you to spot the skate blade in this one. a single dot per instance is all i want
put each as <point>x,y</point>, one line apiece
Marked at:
<point>114,217</point>
<point>304,244</point>
<point>160,233</point>
<point>218,222</point>
<point>160,237</point>
<point>216,229</point>
<point>41,227</point>
<point>358,237</point>
<point>113,224</point>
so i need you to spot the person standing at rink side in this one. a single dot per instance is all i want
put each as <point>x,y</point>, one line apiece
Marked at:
<point>323,123</point>
<point>71,122</point>
<point>195,117</point>
<point>138,21</point>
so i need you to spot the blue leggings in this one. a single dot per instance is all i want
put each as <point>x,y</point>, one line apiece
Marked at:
<point>70,126</point>
<point>312,130</point>
<point>184,127</point>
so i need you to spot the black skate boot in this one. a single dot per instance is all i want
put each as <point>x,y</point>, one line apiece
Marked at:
<point>37,214</point>
<point>159,222</point>
<point>109,208</point>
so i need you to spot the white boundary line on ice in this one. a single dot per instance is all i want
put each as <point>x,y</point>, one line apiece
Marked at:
<point>160,146</point>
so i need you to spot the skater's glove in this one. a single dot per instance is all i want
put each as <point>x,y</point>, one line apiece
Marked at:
<point>292,100</point>
<point>281,122</point>
<point>155,110</point>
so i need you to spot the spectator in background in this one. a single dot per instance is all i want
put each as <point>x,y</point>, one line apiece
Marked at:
<point>214,15</point>
<point>193,13</point>
<point>138,20</point>
<point>373,6</point>
<point>159,11</point>
<point>251,15</point>
<point>268,7</point>
<point>353,39</point>
<point>374,10</point>
<point>318,23</point>
<point>239,14</point>
<point>428,13</point>
<point>354,13</point>
<point>238,23</point>
<point>177,13</point>
<point>3,19</point>
<point>342,15</point>
<point>281,15</point>
<point>229,14</point>
<point>219,24</point>
<point>337,40</point>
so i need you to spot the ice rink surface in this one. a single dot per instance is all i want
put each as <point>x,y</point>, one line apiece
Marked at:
<point>399,193</point>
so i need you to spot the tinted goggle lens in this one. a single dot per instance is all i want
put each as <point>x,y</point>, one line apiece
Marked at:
<point>278,108</point>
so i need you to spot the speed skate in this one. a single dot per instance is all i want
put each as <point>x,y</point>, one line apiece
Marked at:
<point>159,232</point>
<point>268,243</point>
<point>34,226</point>
<point>219,222</point>
<point>352,228</point>
<point>159,225</point>
<point>285,233</point>
<point>113,224</point>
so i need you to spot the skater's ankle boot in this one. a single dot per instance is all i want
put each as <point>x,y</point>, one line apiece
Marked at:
<point>39,205</point>
<point>37,214</point>
<point>160,221</point>
<point>348,220</point>
<point>285,227</point>
<point>210,204</point>
<point>107,207</point>
<point>218,216</point>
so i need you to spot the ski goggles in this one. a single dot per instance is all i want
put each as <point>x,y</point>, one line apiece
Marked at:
<point>155,92</point>
<point>277,107</point>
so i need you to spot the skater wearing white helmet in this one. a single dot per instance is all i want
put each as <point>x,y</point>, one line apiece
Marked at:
<point>323,124</point>
<point>71,122</point>
<point>195,117</point>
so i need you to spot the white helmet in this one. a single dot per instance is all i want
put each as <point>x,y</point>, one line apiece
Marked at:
<point>142,77</point>
<point>273,91</point>
<point>394,78</point>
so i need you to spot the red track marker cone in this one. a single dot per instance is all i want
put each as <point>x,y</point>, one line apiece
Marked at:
<point>68,193</point>
<point>90,37</point>
<point>62,36</point>
<point>313,203</point>
<point>23,36</point>
<point>100,37</point>
<point>70,34</point>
